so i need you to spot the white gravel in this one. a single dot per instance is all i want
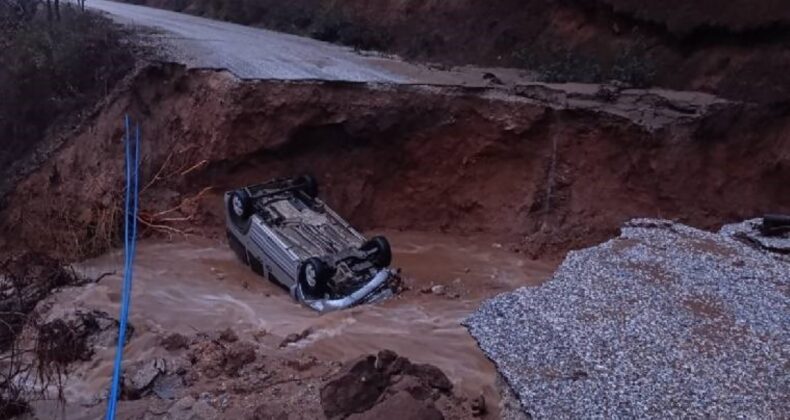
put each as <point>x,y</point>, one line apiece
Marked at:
<point>665,321</point>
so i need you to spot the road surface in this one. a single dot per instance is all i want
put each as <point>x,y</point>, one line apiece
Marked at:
<point>253,53</point>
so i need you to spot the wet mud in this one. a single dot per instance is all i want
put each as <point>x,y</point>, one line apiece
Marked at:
<point>198,285</point>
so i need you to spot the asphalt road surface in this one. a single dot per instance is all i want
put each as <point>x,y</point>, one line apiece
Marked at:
<point>253,53</point>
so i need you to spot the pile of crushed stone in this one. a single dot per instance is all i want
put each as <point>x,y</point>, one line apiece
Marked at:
<point>750,232</point>
<point>663,321</point>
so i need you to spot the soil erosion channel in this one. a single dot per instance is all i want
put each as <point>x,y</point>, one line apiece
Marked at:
<point>199,285</point>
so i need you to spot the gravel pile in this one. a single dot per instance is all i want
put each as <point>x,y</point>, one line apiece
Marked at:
<point>663,321</point>
<point>749,232</point>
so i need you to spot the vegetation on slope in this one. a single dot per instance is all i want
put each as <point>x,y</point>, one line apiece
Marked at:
<point>54,63</point>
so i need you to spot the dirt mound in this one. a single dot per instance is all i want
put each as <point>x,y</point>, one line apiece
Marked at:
<point>371,386</point>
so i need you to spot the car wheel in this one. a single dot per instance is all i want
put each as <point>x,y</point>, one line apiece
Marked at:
<point>309,185</point>
<point>240,209</point>
<point>314,276</point>
<point>382,256</point>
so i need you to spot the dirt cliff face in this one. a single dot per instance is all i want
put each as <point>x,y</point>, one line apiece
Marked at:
<point>542,178</point>
<point>737,49</point>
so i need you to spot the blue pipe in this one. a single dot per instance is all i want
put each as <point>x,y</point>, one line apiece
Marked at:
<point>130,245</point>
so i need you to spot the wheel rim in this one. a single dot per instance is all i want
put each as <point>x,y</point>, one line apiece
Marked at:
<point>310,277</point>
<point>238,206</point>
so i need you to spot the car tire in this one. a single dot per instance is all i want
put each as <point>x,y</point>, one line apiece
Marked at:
<point>314,276</point>
<point>383,256</point>
<point>309,185</point>
<point>240,209</point>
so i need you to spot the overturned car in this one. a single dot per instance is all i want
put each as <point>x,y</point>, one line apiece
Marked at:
<point>284,232</point>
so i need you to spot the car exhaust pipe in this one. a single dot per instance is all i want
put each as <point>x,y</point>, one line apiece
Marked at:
<point>325,305</point>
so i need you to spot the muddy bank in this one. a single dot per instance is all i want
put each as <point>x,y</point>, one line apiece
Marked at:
<point>543,169</point>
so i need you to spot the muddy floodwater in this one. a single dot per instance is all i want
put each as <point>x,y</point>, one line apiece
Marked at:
<point>199,285</point>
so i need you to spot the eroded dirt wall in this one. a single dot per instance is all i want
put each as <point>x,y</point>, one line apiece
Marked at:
<point>539,179</point>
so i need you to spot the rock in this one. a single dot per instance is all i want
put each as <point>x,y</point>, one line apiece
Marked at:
<point>438,289</point>
<point>296,337</point>
<point>492,78</point>
<point>400,406</point>
<point>479,407</point>
<point>368,381</point>
<point>203,410</point>
<point>158,408</point>
<point>302,364</point>
<point>139,377</point>
<point>258,335</point>
<point>410,385</point>
<point>353,390</point>
<point>228,335</point>
<point>175,342</point>
<point>385,358</point>
<point>431,376</point>
<point>237,356</point>
<point>183,404</point>
<point>271,411</point>
<point>167,386</point>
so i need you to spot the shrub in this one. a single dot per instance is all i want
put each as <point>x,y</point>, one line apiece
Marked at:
<point>49,71</point>
<point>631,65</point>
<point>334,26</point>
<point>560,65</point>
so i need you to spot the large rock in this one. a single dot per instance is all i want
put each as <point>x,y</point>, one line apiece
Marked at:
<point>665,321</point>
<point>355,389</point>
<point>369,382</point>
<point>400,406</point>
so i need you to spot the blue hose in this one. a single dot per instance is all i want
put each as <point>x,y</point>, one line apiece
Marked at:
<point>130,246</point>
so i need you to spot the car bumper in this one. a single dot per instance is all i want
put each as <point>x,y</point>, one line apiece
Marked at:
<point>373,290</point>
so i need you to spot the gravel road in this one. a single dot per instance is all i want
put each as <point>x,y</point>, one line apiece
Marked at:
<point>665,321</point>
<point>253,53</point>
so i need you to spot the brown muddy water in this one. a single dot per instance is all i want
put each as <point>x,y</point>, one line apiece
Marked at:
<point>198,285</point>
